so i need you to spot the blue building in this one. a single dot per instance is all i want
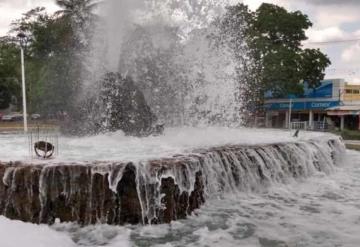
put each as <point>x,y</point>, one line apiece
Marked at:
<point>317,108</point>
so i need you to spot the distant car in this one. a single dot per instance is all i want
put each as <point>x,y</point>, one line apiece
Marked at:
<point>12,117</point>
<point>35,116</point>
<point>1,115</point>
<point>6,118</point>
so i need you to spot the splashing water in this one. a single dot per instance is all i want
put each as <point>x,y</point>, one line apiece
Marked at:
<point>187,80</point>
<point>187,77</point>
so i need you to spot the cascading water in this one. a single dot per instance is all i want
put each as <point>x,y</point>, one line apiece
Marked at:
<point>318,211</point>
<point>157,191</point>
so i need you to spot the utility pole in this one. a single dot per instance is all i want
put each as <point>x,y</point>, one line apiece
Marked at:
<point>23,40</point>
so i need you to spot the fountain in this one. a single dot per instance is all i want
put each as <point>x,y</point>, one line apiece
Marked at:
<point>174,177</point>
<point>117,178</point>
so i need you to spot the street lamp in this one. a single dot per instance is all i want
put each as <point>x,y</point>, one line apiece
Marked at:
<point>23,40</point>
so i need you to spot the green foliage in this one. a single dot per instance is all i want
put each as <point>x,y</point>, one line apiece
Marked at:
<point>79,9</point>
<point>276,26</point>
<point>79,15</point>
<point>347,134</point>
<point>9,72</point>
<point>52,61</point>
<point>278,62</point>
<point>351,134</point>
<point>276,39</point>
<point>313,64</point>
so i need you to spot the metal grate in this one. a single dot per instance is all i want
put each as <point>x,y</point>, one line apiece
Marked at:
<point>45,135</point>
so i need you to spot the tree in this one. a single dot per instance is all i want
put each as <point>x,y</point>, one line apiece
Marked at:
<point>313,64</point>
<point>80,15</point>
<point>54,55</point>
<point>78,10</point>
<point>9,72</point>
<point>52,70</point>
<point>277,36</point>
<point>76,7</point>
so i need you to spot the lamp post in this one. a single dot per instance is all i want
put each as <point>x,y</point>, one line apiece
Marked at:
<point>290,112</point>
<point>23,40</point>
<point>290,97</point>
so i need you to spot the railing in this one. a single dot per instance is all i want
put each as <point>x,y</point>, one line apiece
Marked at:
<point>316,125</point>
<point>299,125</point>
<point>320,125</point>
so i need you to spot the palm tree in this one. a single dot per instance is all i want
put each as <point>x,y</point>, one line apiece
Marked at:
<point>79,11</point>
<point>79,15</point>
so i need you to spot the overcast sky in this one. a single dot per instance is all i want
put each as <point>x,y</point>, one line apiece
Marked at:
<point>333,20</point>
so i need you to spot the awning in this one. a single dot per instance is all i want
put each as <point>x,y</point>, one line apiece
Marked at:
<point>343,110</point>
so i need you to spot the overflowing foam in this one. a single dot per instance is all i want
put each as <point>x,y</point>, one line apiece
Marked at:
<point>19,234</point>
<point>198,174</point>
<point>228,170</point>
<point>118,147</point>
<point>319,211</point>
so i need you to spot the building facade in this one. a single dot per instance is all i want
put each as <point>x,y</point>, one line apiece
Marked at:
<point>334,104</point>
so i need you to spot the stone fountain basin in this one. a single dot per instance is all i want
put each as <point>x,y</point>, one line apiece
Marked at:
<point>118,180</point>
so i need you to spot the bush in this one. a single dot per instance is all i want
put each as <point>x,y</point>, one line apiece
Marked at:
<point>350,134</point>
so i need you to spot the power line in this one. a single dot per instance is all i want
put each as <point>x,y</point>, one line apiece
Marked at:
<point>332,41</point>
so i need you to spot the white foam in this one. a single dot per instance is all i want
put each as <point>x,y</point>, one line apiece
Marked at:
<point>19,234</point>
<point>117,146</point>
<point>318,211</point>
